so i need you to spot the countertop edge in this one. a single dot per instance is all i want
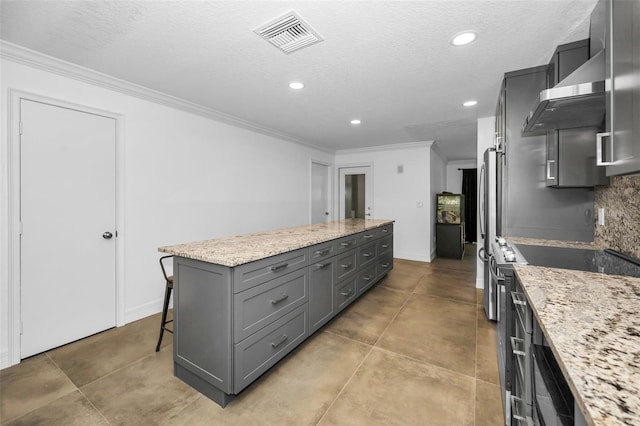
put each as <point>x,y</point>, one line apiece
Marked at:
<point>245,243</point>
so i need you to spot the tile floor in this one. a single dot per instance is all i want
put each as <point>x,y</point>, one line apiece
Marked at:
<point>415,350</point>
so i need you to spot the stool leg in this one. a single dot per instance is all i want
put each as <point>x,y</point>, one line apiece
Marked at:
<point>167,296</point>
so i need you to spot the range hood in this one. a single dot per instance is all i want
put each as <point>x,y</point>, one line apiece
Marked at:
<point>577,101</point>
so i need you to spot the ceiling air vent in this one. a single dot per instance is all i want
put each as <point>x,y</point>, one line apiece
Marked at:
<point>289,33</point>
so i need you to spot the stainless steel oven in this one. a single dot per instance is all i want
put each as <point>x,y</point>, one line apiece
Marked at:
<point>553,402</point>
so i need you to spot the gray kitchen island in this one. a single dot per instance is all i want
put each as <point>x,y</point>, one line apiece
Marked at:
<point>243,303</point>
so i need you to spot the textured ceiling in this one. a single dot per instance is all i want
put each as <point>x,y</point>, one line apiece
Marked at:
<point>388,63</point>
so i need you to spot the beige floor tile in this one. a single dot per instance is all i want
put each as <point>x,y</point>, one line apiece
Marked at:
<point>458,286</point>
<point>297,391</point>
<point>402,279</point>
<point>435,330</point>
<point>96,356</point>
<point>31,384</point>
<point>486,349</point>
<point>367,318</point>
<point>392,390</point>
<point>144,392</point>
<point>489,410</point>
<point>70,410</point>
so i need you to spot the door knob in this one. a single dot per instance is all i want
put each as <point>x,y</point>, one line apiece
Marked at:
<point>107,235</point>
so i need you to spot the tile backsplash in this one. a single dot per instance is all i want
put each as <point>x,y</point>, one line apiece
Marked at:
<point>621,203</point>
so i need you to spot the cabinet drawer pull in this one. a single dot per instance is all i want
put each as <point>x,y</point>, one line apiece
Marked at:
<point>367,254</point>
<point>549,169</point>
<point>602,159</point>
<point>280,299</point>
<point>346,265</point>
<point>385,265</point>
<point>323,265</point>
<point>368,278</point>
<point>280,341</point>
<point>385,245</point>
<point>518,299</point>
<point>515,344</point>
<point>322,252</point>
<point>366,237</point>
<point>349,244</point>
<point>347,293</point>
<point>384,231</point>
<point>278,267</point>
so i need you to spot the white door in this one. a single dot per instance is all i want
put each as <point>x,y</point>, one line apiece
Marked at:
<point>319,193</point>
<point>356,189</point>
<point>67,210</point>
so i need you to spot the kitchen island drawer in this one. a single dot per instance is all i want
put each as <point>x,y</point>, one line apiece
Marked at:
<point>385,264</point>
<point>258,272</point>
<point>257,353</point>
<point>384,231</point>
<point>322,251</point>
<point>345,265</point>
<point>366,278</point>
<point>385,244</point>
<point>347,243</point>
<point>366,254</point>
<point>346,292</point>
<point>261,305</point>
<point>366,236</point>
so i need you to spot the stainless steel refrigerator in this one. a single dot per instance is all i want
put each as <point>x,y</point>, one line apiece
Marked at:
<point>488,210</point>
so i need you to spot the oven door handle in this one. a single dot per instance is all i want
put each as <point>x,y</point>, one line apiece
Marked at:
<point>493,268</point>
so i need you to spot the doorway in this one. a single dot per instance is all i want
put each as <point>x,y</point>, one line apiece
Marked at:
<point>356,188</point>
<point>67,224</point>
<point>320,211</point>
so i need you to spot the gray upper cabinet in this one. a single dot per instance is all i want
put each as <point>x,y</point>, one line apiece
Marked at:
<point>571,154</point>
<point>620,144</point>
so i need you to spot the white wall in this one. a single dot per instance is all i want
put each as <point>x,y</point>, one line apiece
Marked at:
<point>486,132</point>
<point>186,178</point>
<point>397,195</point>
<point>438,184</point>
<point>454,176</point>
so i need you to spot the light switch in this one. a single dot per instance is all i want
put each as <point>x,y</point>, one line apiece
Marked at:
<point>419,204</point>
<point>400,168</point>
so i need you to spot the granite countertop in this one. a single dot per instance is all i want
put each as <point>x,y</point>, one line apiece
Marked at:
<point>554,243</point>
<point>592,323</point>
<point>241,249</point>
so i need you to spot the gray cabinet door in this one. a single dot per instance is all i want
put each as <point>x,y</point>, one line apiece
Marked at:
<point>622,73</point>
<point>321,306</point>
<point>257,353</point>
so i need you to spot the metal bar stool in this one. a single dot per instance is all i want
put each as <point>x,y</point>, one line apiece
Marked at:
<point>167,296</point>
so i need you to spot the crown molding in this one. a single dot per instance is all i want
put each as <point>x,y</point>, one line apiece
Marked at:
<point>22,55</point>
<point>394,147</point>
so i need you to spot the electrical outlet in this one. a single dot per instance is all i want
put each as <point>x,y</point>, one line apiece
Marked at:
<point>601,216</point>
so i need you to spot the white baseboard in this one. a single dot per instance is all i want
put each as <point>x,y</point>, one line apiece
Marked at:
<point>479,282</point>
<point>412,256</point>
<point>145,310</point>
<point>4,360</point>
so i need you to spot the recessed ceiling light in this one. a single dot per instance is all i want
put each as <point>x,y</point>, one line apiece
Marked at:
<point>296,85</point>
<point>356,121</point>
<point>470,103</point>
<point>463,38</point>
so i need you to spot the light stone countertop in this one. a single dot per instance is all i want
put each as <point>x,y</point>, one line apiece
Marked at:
<point>554,243</point>
<point>592,323</point>
<point>241,249</point>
